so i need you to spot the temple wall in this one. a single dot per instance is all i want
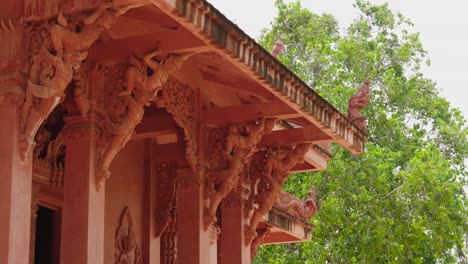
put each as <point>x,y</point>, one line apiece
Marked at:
<point>125,188</point>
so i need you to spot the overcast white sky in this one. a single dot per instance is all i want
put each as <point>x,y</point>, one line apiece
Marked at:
<point>443,26</point>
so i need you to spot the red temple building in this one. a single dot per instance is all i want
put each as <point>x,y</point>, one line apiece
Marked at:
<point>152,131</point>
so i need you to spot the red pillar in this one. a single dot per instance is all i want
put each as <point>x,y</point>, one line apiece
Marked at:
<point>83,209</point>
<point>15,189</point>
<point>232,242</point>
<point>195,245</point>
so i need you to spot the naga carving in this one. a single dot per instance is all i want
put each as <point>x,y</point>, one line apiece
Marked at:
<point>302,209</point>
<point>137,86</point>
<point>356,103</point>
<point>277,162</point>
<point>228,149</point>
<point>56,51</point>
<point>127,250</point>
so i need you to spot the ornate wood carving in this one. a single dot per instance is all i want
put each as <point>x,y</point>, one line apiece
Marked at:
<point>302,209</point>
<point>225,150</point>
<point>127,250</point>
<point>169,238</point>
<point>356,103</point>
<point>258,241</point>
<point>180,102</point>
<point>56,49</point>
<point>271,169</point>
<point>127,90</point>
<point>165,177</point>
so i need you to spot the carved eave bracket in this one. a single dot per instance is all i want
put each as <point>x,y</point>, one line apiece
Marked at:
<point>119,107</point>
<point>269,172</point>
<point>52,50</point>
<point>225,151</point>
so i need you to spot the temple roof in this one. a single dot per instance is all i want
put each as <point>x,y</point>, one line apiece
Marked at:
<point>211,26</point>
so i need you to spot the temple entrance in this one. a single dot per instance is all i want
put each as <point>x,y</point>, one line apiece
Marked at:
<point>47,243</point>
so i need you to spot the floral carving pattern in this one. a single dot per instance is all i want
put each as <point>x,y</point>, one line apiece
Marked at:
<point>180,102</point>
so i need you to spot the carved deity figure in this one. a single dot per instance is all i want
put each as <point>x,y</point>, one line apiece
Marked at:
<point>277,164</point>
<point>148,78</point>
<point>141,84</point>
<point>121,130</point>
<point>52,70</point>
<point>356,103</point>
<point>50,76</point>
<point>240,145</point>
<point>88,30</point>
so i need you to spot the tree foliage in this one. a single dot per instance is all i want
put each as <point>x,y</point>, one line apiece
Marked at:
<point>403,200</point>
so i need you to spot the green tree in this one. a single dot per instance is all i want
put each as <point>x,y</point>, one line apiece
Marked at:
<point>403,200</point>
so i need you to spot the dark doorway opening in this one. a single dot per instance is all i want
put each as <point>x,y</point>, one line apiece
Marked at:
<point>47,243</point>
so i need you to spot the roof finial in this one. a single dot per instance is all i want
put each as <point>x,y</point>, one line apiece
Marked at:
<point>278,48</point>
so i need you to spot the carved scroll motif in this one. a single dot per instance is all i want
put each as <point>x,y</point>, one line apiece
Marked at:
<point>302,209</point>
<point>356,103</point>
<point>127,250</point>
<point>268,180</point>
<point>224,152</point>
<point>166,195</point>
